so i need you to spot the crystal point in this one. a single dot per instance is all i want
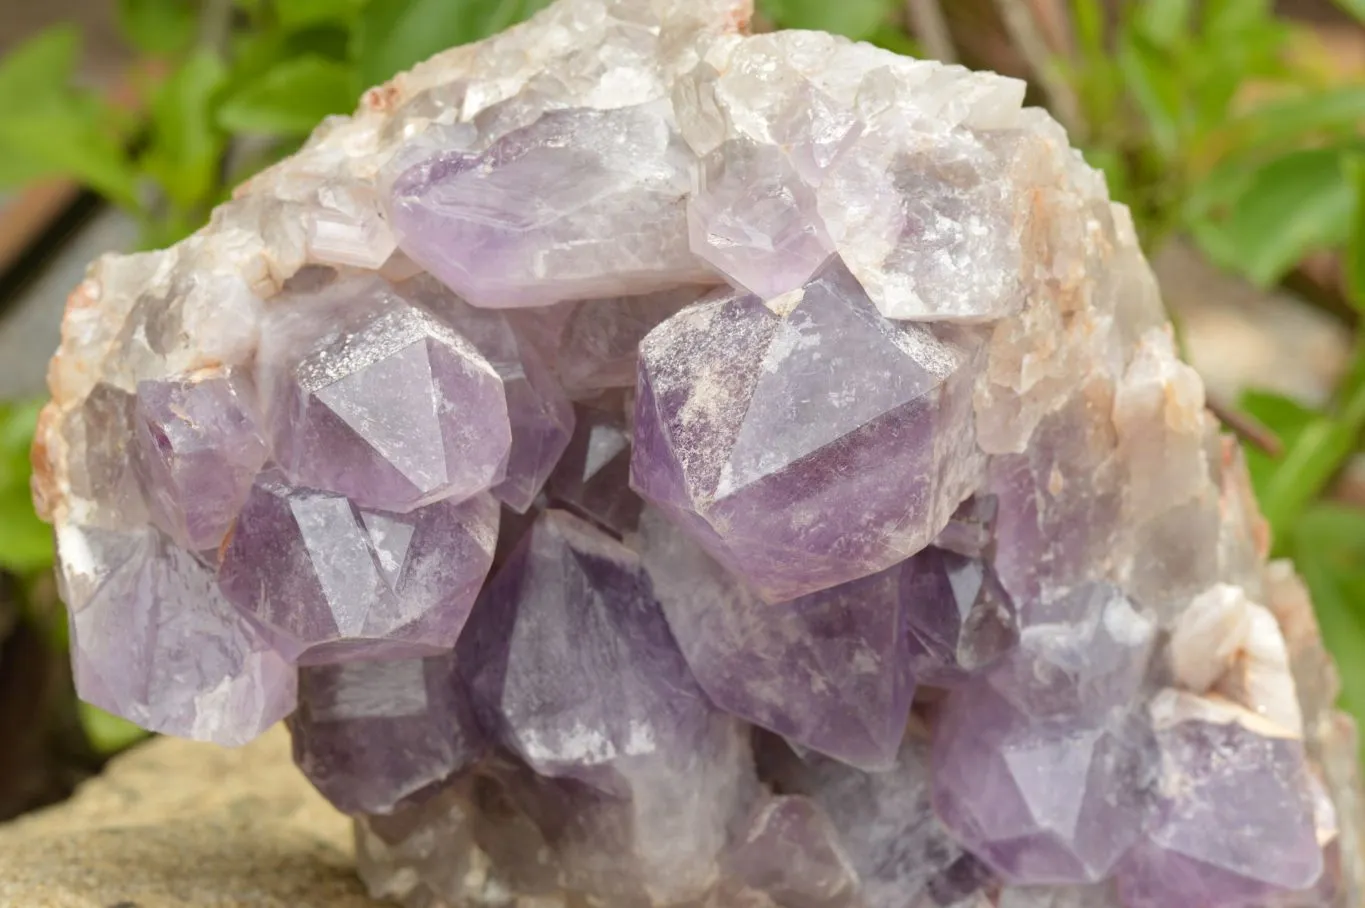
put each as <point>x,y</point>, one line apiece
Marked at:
<point>332,581</point>
<point>196,450</point>
<point>371,397</point>
<point>803,449</point>
<point>371,734</point>
<point>154,641</point>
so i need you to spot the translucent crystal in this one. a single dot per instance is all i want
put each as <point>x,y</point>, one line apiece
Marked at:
<point>541,416</point>
<point>332,581</point>
<point>829,671</point>
<point>1054,800</point>
<point>592,477</point>
<point>960,618</point>
<point>1209,839</point>
<point>886,825</point>
<point>538,217</point>
<point>788,854</point>
<point>196,450</point>
<point>371,734</point>
<point>154,641</point>
<point>371,397</point>
<point>807,448</point>
<point>649,766</point>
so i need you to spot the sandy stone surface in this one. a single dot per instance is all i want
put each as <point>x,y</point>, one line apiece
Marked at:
<point>175,823</point>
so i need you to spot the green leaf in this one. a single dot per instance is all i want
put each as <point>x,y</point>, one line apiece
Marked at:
<point>1329,551</point>
<point>893,38</point>
<point>1288,121</point>
<point>858,19</point>
<point>187,146</point>
<point>291,97</point>
<point>1353,7</point>
<point>1164,22</point>
<point>1354,166</point>
<point>393,35</point>
<point>1089,18</point>
<point>1157,89</point>
<point>25,541</point>
<point>108,733</point>
<point>299,14</point>
<point>69,143</point>
<point>1312,457</point>
<point>38,70</point>
<point>158,27</point>
<point>1287,208</point>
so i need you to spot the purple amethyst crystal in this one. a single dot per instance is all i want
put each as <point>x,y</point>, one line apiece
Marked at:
<point>371,397</point>
<point>541,416</point>
<point>960,618</point>
<point>592,478</point>
<point>808,448</point>
<point>885,822</point>
<point>830,671</point>
<point>537,217</point>
<point>155,641</point>
<point>332,581</point>
<point>1233,822</point>
<point>789,854</point>
<point>670,467</point>
<point>755,220</point>
<point>1041,800</point>
<point>573,669</point>
<point>371,735</point>
<point>196,450</point>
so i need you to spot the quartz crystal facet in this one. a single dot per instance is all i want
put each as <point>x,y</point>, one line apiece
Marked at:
<point>651,465</point>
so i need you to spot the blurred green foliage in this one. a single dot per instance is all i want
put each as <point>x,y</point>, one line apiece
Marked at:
<point>1203,120</point>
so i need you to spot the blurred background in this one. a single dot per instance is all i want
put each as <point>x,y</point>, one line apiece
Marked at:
<point>1235,129</point>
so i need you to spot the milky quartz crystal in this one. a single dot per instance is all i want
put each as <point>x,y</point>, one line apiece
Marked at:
<point>653,465</point>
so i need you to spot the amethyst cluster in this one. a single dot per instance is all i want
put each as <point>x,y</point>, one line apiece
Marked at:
<point>652,465</point>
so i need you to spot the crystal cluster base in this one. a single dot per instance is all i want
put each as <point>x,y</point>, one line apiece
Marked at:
<point>654,466</point>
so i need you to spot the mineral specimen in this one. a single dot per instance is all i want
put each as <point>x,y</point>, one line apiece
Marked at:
<point>655,465</point>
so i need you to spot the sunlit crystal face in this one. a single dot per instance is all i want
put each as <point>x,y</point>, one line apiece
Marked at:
<point>660,467</point>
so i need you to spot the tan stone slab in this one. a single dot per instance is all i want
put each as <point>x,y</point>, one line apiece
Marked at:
<point>175,824</point>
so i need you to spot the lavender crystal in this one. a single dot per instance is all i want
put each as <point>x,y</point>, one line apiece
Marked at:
<point>654,466</point>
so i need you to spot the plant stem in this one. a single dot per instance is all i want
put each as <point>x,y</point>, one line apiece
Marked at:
<point>1028,39</point>
<point>929,25</point>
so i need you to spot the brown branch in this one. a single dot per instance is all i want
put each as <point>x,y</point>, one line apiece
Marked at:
<point>1028,38</point>
<point>929,25</point>
<point>1246,427</point>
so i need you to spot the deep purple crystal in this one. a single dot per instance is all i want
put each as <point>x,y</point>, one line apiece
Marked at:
<point>593,475</point>
<point>960,618</point>
<point>371,734</point>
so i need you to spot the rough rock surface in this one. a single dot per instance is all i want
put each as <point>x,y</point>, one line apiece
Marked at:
<point>179,824</point>
<point>787,440</point>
